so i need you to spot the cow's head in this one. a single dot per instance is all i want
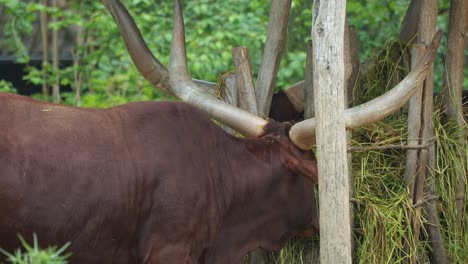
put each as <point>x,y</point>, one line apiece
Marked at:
<point>293,143</point>
<point>291,184</point>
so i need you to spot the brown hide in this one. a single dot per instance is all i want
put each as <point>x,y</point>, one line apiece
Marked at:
<point>149,182</point>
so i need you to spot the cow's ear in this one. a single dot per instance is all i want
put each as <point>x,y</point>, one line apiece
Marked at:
<point>306,168</point>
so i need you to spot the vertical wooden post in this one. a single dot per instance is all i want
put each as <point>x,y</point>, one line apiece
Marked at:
<point>419,121</point>
<point>426,30</point>
<point>309,106</point>
<point>351,62</point>
<point>228,93</point>
<point>244,80</point>
<point>312,254</point>
<point>414,128</point>
<point>351,67</point>
<point>453,83</point>
<point>55,58</point>
<point>328,70</point>
<point>45,49</point>
<point>419,28</point>
<point>409,26</point>
<point>277,28</point>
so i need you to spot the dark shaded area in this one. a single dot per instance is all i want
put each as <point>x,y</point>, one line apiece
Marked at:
<point>282,110</point>
<point>13,72</point>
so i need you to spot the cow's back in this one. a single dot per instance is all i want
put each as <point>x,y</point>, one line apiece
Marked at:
<point>92,176</point>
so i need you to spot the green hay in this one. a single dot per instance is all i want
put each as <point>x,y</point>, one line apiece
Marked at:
<point>382,202</point>
<point>451,160</point>
<point>387,67</point>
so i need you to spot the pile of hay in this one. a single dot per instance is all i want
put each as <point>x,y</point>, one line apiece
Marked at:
<point>381,201</point>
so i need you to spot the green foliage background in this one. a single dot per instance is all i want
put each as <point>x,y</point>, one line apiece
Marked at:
<point>108,77</point>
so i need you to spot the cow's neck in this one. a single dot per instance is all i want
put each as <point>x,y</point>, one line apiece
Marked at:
<point>246,183</point>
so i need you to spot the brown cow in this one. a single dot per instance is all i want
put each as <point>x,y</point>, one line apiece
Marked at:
<point>149,182</point>
<point>159,182</point>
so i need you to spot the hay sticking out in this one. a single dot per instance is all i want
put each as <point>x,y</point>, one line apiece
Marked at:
<point>381,207</point>
<point>451,160</point>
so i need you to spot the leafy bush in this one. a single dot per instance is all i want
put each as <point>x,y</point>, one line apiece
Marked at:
<point>35,255</point>
<point>102,68</point>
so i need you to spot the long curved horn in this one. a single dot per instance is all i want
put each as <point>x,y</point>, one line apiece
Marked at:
<point>178,81</point>
<point>148,65</point>
<point>302,134</point>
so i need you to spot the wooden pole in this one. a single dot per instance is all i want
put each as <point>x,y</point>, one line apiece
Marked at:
<point>414,128</point>
<point>420,122</point>
<point>309,107</point>
<point>453,85</point>
<point>276,39</point>
<point>328,71</point>
<point>55,58</point>
<point>228,93</point>
<point>351,66</point>
<point>351,63</point>
<point>45,49</point>
<point>426,30</point>
<point>312,254</point>
<point>409,26</point>
<point>244,80</point>
<point>77,55</point>
<point>420,28</point>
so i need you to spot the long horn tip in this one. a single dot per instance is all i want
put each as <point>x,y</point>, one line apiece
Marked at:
<point>178,57</point>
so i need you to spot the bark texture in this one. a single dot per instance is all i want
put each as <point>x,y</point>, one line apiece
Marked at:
<point>328,71</point>
<point>276,39</point>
